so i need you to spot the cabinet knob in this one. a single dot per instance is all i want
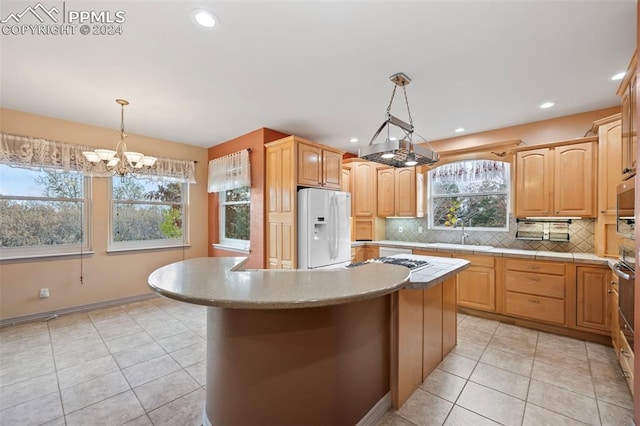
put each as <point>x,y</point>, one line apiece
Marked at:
<point>603,211</point>
<point>534,301</point>
<point>609,291</point>
<point>625,354</point>
<point>557,212</point>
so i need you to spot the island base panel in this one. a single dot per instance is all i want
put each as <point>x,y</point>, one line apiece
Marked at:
<point>327,365</point>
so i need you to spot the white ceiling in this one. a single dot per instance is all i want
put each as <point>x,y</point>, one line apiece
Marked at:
<point>320,69</point>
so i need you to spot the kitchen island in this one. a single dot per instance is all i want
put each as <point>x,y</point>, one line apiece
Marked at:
<point>299,347</point>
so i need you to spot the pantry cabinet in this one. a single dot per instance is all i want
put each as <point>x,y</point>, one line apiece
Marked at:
<point>293,162</point>
<point>609,177</point>
<point>363,187</point>
<point>556,180</point>
<point>592,302</point>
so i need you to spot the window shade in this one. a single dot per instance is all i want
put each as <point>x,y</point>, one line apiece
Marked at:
<point>229,172</point>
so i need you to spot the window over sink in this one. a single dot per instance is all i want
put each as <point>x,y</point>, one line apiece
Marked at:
<point>475,192</point>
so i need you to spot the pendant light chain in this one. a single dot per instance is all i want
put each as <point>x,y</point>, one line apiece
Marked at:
<point>406,101</point>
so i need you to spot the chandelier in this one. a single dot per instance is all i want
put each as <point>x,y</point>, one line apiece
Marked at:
<point>120,162</point>
<point>398,152</point>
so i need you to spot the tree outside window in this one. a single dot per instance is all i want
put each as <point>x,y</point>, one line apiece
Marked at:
<point>475,191</point>
<point>235,216</point>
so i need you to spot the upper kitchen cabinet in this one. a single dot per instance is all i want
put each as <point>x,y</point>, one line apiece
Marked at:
<point>318,166</point>
<point>401,192</point>
<point>556,180</point>
<point>627,92</point>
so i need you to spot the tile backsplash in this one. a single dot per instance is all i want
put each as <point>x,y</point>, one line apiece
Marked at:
<point>580,241</point>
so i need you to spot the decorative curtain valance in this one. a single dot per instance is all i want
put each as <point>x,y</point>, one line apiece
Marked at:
<point>27,151</point>
<point>229,172</point>
<point>469,171</point>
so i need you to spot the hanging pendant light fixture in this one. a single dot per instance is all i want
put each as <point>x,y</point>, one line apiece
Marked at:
<point>120,162</point>
<point>399,152</point>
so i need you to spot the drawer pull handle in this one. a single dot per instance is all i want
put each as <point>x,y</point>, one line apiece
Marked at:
<point>534,301</point>
<point>625,374</point>
<point>534,267</point>
<point>609,291</point>
<point>534,279</point>
<point>625,354</point>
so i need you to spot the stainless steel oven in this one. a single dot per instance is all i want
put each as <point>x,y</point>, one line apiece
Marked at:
<point>625,209</point>
<point>625,270</point>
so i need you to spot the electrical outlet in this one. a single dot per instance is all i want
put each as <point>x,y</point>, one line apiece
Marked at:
<point>420,229</point>
<point>400,229</point>
<point>44,293</point>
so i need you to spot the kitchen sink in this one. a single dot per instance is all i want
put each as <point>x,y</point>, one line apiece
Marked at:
<point>466,247</point>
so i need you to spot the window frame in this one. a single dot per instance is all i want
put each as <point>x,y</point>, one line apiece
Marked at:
<point>119,246</point>
<point>43,251</point>
<point>232,243</point>
<point>507,192</point>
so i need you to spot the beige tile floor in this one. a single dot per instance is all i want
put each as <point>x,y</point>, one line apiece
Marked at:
<point>500,374</point>
<point>144,363</point>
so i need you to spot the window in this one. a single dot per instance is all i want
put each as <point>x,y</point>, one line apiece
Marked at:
<point>235,217</point>
<point>43,212</point>
<point>147,213</point>
<point>475,191</point>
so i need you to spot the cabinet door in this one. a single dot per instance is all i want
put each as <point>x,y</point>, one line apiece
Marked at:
<point>610,164</point>
<point>574,180</point>
<point>345,183</point>
<point>405,192</point>
<point>331,169</point>
<point>386,192</point>
<point>364,188</point>
<point>371,252</point>
<point>629,126</point>
<point>614,325</point>
<point>593,300</point>
<point>449,316</point>
<point>409,344</point>
<point>633,127</point>
<point>533,182</point>
<point>421,191</point>
<point>432,325</point>
<point>309,165</point>
<point>477,288</point>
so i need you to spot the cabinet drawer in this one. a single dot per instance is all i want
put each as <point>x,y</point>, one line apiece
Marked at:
<point>539,284</point>
<point>363,229</point>
<point>538,267</point>
<point>477,260</point>
<point>535,307</point>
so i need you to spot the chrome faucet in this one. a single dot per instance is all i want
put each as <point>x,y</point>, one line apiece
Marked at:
<point>460,222</point>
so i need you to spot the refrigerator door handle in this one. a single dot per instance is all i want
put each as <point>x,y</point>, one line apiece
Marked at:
<point>336,240</point>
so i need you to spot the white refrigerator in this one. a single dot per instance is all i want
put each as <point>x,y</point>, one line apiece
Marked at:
<point>324,237</point>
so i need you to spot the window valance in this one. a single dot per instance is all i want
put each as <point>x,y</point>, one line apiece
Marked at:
<point>470,171</point>
<point>27,151</point>
<point>229,172</point>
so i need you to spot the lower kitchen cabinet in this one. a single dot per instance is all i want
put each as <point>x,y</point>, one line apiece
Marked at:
<point>371,252</point>
<point>592,302</point>
<point>536,290</point>
<point>424,332</point>
<point>614,324</point>
<point>626,358</point>
<point>477,284</point>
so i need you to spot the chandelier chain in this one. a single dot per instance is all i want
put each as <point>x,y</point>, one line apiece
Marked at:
<point>406,101</point>
<point>393,94</point>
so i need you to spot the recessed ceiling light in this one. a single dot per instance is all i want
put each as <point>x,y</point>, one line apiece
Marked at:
<point>459,130</point>
<point>353,140</point>
<point>547,105</point>
<point>393,138</point>
<point>204,18</point>
<point>618,76</point>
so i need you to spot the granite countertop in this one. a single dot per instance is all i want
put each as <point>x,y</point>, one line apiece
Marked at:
<point>222,281</point>
<point>589,258</point>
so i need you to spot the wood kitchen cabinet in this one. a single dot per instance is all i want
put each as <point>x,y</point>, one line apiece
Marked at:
<point>371,252</point>
<point>556,180</point>
<point>614,324</point>
<point>592,302</point>
<point>400,192</point>
<point>319,166</point>
<point>536,290</point>
<point>293,162</point>
<point>477,284</point>
<point>423,333</point>
<point>609,131</point>
<point>627,92</point>
<point>362,175</point>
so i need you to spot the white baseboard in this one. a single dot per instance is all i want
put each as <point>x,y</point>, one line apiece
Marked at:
<point>42,316</point>
<point>376,413</point>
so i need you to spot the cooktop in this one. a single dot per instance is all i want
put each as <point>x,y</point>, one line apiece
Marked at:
<point>409,263</point>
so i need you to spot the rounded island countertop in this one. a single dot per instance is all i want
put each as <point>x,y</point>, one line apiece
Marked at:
<point>222,282</point>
